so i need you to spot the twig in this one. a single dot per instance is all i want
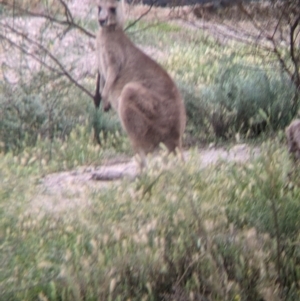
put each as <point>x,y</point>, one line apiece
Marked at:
<point>67,12</point>
<point>139,18</point>
<point>292,51</point>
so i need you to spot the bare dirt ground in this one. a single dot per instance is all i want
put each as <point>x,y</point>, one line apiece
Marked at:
<point>63,191</point>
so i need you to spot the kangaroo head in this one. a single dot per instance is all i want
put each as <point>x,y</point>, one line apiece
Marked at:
<point>110,14</point>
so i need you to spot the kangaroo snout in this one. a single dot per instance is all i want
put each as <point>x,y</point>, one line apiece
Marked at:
<point>102,22</point>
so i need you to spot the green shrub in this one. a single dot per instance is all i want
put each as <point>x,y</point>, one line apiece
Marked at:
<point>197,111</point>
<point>22,119</point>
<point>265,196</point>
<point>262,185</point>
<point>248,100</point>
<point>26,116</point>
<point>103,124</point>
<point>27,113</point>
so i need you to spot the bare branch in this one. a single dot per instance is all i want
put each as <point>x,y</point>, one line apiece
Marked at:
<point>255,24</point>
<point>68,22</point>
<point>67,12</point>
<point>23,50</point>
<point>139,18</point>
<point>292,51</point>
<point>269,35</point>
<point>280,58</point>
<point>62,69</point>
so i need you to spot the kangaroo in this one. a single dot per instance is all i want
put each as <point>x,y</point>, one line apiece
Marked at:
<point>146,99</point>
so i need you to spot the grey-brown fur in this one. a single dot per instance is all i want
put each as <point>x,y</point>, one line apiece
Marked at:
<point>293,137</point>
<point>146,99</point>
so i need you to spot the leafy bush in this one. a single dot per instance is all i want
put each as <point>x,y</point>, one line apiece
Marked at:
<point>197,111</point>
<point>273,190</point>
<point>21,120</point>
<point>226,95</point>
<point>249,100</point>
<point>265,195</point>
<point>103,124</point>
<point>26,116</point>
<point>29,111</point>
<point>245,100</point>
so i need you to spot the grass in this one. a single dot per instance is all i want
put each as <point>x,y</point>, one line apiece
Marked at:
<point>174,231</point>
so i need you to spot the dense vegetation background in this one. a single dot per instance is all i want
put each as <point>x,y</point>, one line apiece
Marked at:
<point>178,232</point>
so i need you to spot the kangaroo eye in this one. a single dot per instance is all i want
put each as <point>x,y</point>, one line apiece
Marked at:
<point>113,10</point>
<point>99,9</point>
